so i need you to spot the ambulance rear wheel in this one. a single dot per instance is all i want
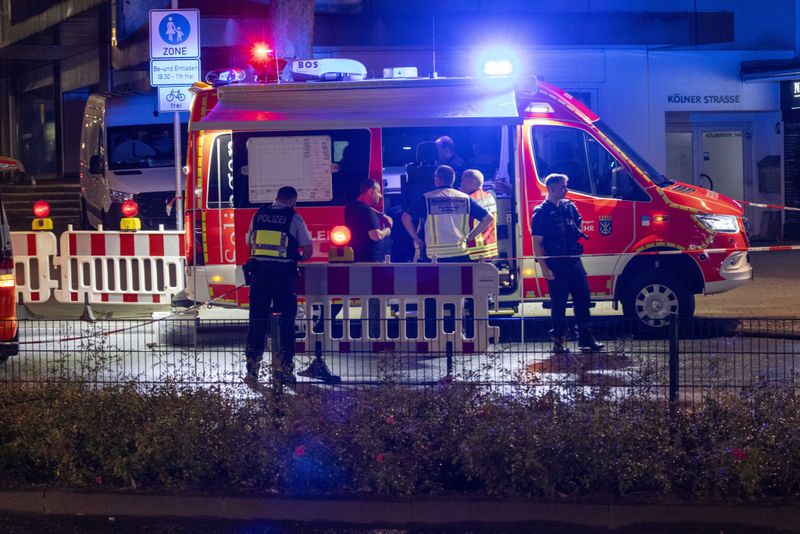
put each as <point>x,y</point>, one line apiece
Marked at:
<point>653,298</point>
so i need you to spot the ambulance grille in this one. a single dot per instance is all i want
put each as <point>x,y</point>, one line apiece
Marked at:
<point>684,189</point>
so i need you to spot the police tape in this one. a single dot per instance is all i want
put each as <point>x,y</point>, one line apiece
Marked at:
<point>767,206</point>
<point>149,322</point>
<point>698,251</point>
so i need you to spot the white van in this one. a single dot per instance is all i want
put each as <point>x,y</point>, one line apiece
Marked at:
<point>127,153</point>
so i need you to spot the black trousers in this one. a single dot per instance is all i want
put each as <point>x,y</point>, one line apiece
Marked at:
<point>570,279</point>
<point>272,291</point>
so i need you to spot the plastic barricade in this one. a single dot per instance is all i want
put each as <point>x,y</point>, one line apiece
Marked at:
<point>120,267</point>
<point>415,307</point>
<point>34,254</point>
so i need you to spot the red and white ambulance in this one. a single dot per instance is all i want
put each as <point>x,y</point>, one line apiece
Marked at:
<point>326,135</point>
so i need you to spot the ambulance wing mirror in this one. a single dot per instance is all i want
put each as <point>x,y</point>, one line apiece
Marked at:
<point>96,165</point>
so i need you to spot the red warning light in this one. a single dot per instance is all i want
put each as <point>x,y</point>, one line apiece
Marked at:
<point>260,52</point>
<point>340,236</point>
<point>129,208</point>
<point>41,209</point>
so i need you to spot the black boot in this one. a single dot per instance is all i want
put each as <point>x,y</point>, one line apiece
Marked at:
<point>253,366</point>
<point>587,343</point>
<point>320,371</point>
<point>559,343</point>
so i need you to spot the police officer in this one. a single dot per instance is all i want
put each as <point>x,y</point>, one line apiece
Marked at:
<point>446,213</point>
<point>278,238</point>
<point>484,245</point>
<point>556,231</point>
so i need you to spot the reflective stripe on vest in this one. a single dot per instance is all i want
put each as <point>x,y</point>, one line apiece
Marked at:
<point>270,243</point>
<point>446,223</point>
<point>270,240</point>
<point>485,244</point>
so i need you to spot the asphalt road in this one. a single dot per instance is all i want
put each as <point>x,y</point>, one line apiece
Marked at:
<point>774,291</point>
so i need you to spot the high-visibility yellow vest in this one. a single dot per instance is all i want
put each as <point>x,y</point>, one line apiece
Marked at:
<point>485,244</point>
<point>446,222</point>
<point>270,239</point>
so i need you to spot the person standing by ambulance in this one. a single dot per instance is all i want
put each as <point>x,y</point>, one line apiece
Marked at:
<point>445,214</point>
<point>484,246</point>
<point>278,238</point>
<point>556,229</point>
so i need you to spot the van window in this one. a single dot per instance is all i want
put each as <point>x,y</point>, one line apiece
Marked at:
<point>220,173</point>
<point>325,166</point>
<point>590,167</point>
<point>143,146</point>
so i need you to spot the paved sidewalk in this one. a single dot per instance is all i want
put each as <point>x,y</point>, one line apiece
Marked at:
<point>405,512</point>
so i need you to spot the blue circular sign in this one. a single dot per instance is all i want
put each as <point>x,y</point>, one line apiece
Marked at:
<point>174,29</point>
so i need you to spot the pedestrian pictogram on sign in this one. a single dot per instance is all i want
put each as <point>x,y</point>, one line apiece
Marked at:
<point>174,33</point>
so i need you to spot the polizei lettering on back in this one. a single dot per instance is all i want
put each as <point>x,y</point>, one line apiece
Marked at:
<point>273,218</point>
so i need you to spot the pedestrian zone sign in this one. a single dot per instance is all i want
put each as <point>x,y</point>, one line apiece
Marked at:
<point>174,33</point>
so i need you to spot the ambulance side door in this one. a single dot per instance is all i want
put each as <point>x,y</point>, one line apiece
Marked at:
<point>602,189</point>
<point>220,243</point>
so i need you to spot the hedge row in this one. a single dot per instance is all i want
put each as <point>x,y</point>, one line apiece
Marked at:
<point>395,441</point>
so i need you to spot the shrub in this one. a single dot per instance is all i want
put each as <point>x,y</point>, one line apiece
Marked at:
<point>398,441</point>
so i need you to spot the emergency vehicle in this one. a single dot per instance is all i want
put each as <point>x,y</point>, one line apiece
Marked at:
<point>9,334</point>
<point>325,135</point>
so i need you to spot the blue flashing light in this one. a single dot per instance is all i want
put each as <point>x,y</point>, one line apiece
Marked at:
<point>498,67</point>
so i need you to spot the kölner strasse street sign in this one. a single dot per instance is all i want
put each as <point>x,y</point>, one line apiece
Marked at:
<point>174,47</point>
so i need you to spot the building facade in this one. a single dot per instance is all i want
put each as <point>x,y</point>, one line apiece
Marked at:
<point>694,86</point>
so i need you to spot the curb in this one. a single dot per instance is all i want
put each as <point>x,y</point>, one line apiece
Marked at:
<point>393,512</point>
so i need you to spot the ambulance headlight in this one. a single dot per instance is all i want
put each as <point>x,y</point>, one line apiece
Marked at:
<point>720,223</point>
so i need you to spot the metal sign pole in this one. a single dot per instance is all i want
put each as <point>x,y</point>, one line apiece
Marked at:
<point>176,134</point>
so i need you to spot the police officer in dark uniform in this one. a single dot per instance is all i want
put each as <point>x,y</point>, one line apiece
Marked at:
<point>556,229</point>
<point>278,238</point>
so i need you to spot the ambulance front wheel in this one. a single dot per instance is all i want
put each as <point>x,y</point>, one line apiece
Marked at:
<point>652,298</point>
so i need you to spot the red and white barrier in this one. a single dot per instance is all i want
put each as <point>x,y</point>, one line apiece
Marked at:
<point>404,306</point>
<point>120,267</point>
<point>33,261</point>
<point>99,267</point>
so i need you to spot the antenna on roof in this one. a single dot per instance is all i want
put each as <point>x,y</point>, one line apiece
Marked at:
<point>433,73</point>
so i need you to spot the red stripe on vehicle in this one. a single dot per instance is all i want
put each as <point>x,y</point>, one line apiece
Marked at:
<point>97,245</point>
<point>383,280</point>
<point>427,280</point>
<point>126,246</point>
<point>339,280</point>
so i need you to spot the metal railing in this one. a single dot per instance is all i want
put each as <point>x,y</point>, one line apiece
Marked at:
<point>694,357</point>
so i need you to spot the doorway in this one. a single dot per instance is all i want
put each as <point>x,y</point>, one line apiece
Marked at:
<point>712,155</point>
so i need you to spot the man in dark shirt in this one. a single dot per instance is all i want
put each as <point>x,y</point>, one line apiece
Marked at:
<point>448,155</point>
<point>368,226</point>
<point>556,229</point>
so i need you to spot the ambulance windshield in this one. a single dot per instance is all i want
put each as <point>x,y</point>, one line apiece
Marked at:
<point>654,176</point>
